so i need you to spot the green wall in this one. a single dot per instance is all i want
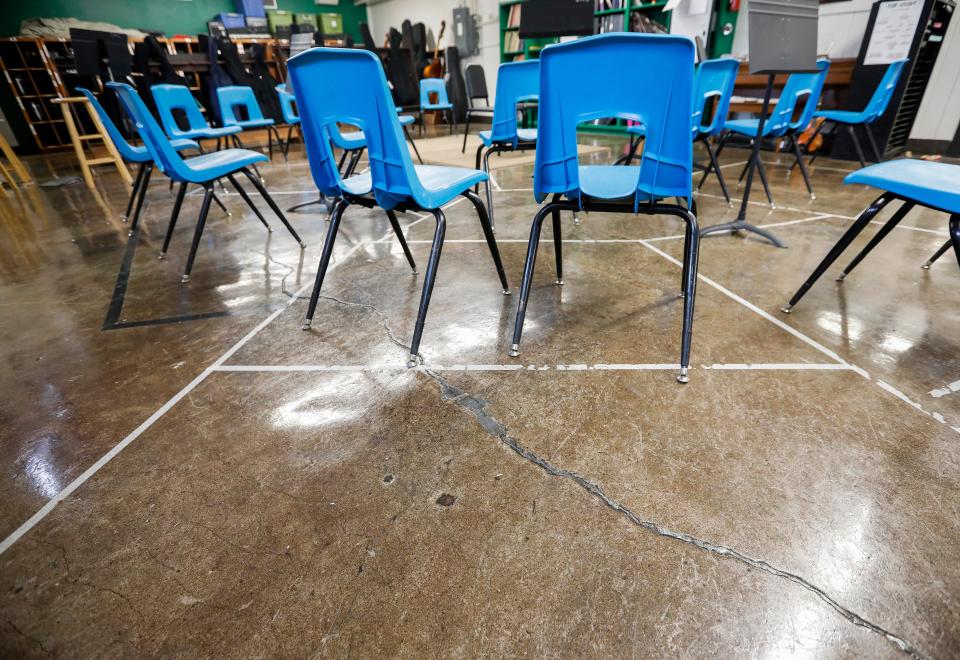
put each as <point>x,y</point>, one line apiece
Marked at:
<point>170,16</point>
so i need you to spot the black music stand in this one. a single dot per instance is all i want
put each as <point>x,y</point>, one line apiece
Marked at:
<point>782,39</point>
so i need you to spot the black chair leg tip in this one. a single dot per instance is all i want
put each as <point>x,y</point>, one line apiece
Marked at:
<point>507,292</point>
<point>926,266</point>
<point>412,361</point>
<point>841,277</point>
<point>683,378</point>
<point>559,282</point>
<point>161,256</point>
<point>303,246</point>
<point>514,350</point>
<point>306,324</point>
<point>184,279</point>
<point>786,309</point>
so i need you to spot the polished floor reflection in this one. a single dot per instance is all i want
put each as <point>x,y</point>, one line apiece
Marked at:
<point>187,472</point>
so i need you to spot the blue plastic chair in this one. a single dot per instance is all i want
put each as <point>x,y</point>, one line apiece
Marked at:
<point>914,182</point>
<point>577,84</point>
<point>714,82</point>
<point>800,87</point>
<point>392,182</point>
<point>172,98</point>
<point>713,86</point>
<point>233,97</point>
<point>203,170</point>
<point>517,82</point>
<point>872,112</point>
<point>436,86</point>
<point>290,117</point>
<point>132,154</point>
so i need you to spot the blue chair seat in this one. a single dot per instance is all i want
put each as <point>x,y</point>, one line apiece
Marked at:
<point>209,133</point>
<point>351,140</point>
<point>441,183</point>
<point>523,135</point>
<point>637,129</point>
<point>255,123</point>
<point>842,116</point>
<point>609,181</point>
<point>216,164</point>
<point>141,155</point>
<point>406,120</point>
<point>744,126</point>
<point>929,183</point>
<point>437,106</point>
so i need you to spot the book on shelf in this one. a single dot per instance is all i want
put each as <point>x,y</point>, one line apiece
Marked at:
<point>513,18</point>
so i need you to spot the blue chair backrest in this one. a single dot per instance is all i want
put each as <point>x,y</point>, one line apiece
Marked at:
<point>578,84</point>
<point>798,86</point>
<point>323,99</point>
<point>287,106</point>
<point>516,82</point>
<point>714,80</point>
<point>124,147</point>
<point>177,97</point>
<point>433,86</point>
<point>813,90</point>
<point>884,92</point>
<point>164,155</point>
<point>231,98</point>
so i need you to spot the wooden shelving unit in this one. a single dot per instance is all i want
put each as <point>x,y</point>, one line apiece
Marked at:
<point>38,71</point>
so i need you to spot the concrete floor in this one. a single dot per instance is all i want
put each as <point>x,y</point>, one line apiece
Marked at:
<point>196,476</point>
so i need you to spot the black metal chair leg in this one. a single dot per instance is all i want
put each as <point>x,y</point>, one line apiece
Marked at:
<point>428,282</point>
<point>136,189</point>
<point>706,173</point>
<point>412,144</point>
<point>173,218</point>
<point>841,245</point>
<point>269,143</point>
<point>715,165</point>
<point>955,234</point>
<point>813,137</point>
<point>879,236</point>
<point>273,205</point>
<point>403,241</point>
<point>873,142</point>
<point>144,184</point>
<point>450,121</point>
<point>803,168</point>
<point>528,275</point>
<point>691,254</point>
<point>489,187</point>
<point>286,145</point>
<point>763,179</point>
<point>856,144</point>
<point>936,255</point>
<point>421,123</point>
<point>338,208</point>
<point>491,240</point>
<point>354,161</point>
<point>817,153</point>
<point>686,258</point>
<point>198,232</point>
<point>466,131</point>
<point>220,203</point>
<point>558,245</point>
<point>477,162</point>
<point>246,198</point>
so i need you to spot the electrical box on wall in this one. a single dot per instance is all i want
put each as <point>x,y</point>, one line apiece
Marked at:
<point>465,35</point>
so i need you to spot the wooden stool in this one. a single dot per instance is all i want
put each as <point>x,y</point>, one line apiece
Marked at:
<point>14,164</point>
<point>79,140</point>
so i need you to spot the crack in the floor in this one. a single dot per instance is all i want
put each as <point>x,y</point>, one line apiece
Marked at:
<point>383,318</point>
<point>478,409</point>
<point>29,637</point>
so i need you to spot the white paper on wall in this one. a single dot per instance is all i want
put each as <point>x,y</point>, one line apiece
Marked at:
<point>893,31</point>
